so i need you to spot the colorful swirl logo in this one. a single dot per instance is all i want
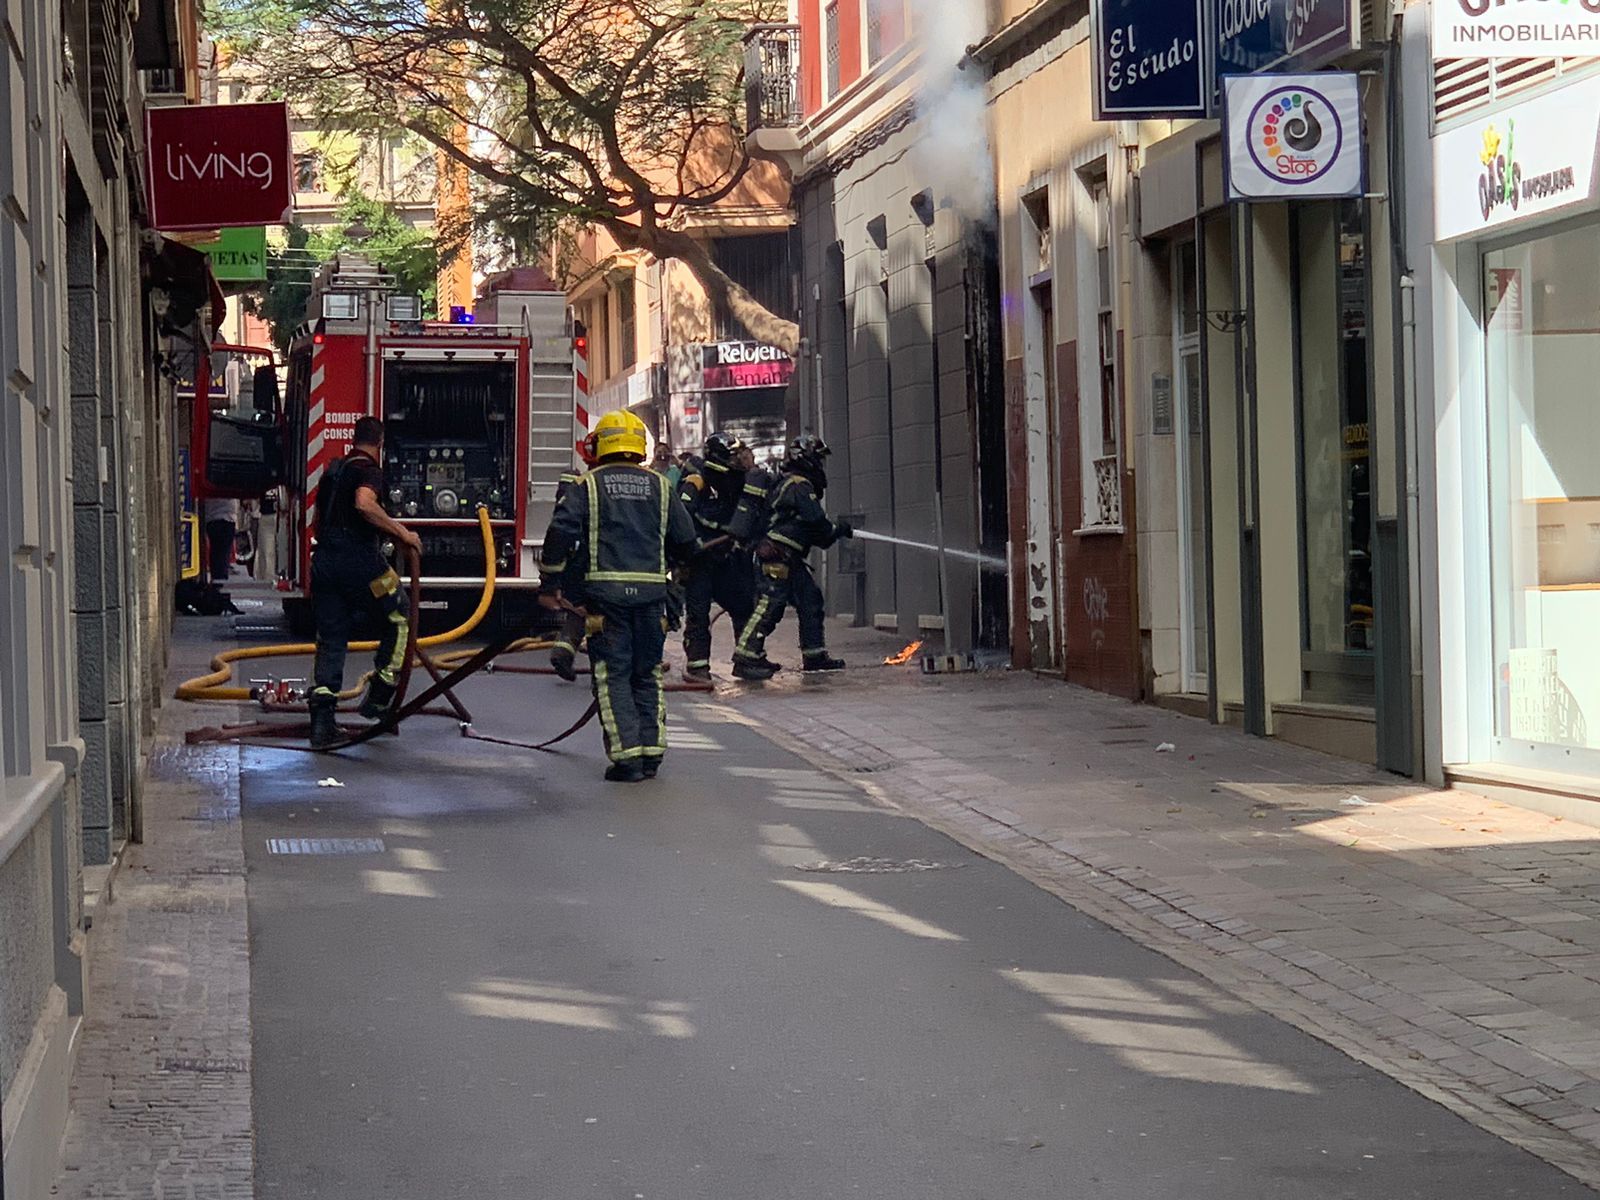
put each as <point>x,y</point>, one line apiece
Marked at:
<point>1296,136</point>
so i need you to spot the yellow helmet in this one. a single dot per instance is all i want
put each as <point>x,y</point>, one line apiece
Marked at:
<point>621,432</point>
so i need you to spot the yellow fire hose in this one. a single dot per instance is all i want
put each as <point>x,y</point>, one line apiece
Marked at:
<point>216,686</point>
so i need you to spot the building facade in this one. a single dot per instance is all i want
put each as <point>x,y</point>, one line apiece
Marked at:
<point>899,302</point>
<point>89,304</point>
<point>1507,241</point>
<point>1267,418</point>
<point>659,346</point>
<point>1070,272</point>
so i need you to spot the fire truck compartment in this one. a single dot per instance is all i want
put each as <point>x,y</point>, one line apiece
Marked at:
<point>450,445</point>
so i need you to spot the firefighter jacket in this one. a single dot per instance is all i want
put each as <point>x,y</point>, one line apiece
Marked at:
<point>712,495</point>
<point>615,536</point>
<point>749,523</point>
<point>796,519</point>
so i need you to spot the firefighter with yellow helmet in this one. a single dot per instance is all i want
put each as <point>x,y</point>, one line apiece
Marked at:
<point>615,536</point>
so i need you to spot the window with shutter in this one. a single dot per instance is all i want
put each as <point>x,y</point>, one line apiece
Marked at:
<point>1462,86</point>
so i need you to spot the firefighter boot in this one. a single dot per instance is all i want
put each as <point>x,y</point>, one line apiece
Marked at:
<point>698,673</point>
<point>823,661</point>
<point>757,670</point>
<point>379,698</point>
<point>625,772</point>
<point>324,726</point>
<point>651,767</point>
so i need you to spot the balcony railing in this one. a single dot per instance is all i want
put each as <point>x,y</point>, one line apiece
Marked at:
<point>772,77</point>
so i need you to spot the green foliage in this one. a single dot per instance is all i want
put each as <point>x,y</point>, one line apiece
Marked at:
<point>410,255</point>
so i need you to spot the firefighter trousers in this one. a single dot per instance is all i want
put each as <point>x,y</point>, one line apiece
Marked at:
<point>626,644</point>
<point>347,580</point>
<point>778,585</point>
<point>723,579</point>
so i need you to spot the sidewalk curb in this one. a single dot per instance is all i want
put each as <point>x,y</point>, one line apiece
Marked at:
<point>1156,920</point>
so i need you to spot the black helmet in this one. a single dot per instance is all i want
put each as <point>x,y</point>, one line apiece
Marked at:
<point>808,450</point>
<point>721,448</point>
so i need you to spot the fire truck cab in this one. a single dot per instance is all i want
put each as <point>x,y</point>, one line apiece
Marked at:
<point>474,415</point>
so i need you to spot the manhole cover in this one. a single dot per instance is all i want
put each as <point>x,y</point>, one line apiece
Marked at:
<point>873,866</point>
<point>325,845</point>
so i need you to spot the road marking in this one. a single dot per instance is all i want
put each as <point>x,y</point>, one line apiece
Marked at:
<point>398,883</point>
<point>412,858</point>
<point>835,896</point>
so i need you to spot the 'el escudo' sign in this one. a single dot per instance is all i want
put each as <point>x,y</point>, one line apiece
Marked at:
<point>1152,59</point>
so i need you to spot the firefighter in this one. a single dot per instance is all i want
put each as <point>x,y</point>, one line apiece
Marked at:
<point>796,524</point>
<point>712,491</point>
<point>564,654</point>
<point>349,576</point>
<point>614,539</point>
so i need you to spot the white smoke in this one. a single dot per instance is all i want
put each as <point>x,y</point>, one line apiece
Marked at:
<point>952,155</point>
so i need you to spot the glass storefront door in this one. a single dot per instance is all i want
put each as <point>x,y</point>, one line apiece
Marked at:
<point>1542,324</point>
<point>1194,598</point>
<point>1330,264</point>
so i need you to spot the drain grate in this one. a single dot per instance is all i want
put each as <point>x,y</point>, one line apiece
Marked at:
<point>203,1066</point>
<point>873,866</point>
<point>325,845</point>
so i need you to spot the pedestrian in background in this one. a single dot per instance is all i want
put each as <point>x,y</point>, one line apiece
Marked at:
<point>222,524</point>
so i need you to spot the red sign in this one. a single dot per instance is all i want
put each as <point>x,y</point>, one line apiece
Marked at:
<point>748,375</point>
<point>219,165</point>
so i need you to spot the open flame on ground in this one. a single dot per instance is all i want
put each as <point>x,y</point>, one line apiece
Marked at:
<point>905,656</point>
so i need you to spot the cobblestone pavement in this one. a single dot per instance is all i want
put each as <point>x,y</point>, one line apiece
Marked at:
<point>1447,939</point>
<point>161,1097</point>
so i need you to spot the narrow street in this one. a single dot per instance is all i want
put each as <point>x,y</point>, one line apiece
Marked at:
<point>479,973</point>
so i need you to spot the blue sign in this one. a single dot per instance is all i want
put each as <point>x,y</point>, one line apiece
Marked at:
<point>1152,59</point>
<point>1281,35</point>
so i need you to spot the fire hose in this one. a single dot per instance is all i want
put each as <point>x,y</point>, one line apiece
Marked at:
<point>460,665</point>
<point>215,686</point>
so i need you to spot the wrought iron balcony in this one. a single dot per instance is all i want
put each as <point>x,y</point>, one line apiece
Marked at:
<point>772,77</point>
<point>774,116</point>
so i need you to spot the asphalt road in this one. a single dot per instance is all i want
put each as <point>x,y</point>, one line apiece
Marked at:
<point>545,987</point>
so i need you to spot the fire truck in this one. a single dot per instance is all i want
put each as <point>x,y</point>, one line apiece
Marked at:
<point>475,413</point>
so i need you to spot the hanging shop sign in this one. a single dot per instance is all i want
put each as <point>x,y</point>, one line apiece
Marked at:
<point>216,166</point>
<point>1279,35</point>
<point>1516,28</point>
<point>239,255</point>
<point>1528,160</point>
<point>1152,59</point>
<point>728,366</point>
<point>1293,137</point>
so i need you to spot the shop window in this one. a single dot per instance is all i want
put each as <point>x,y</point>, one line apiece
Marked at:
<point>1335,451</point>
<point>1542,325</point>
<point>1105,322</point>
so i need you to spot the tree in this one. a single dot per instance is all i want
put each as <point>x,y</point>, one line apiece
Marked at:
<point>621,114</point>
<point>410,255</point>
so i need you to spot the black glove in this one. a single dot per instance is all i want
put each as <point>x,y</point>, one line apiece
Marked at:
<point>844,529</point>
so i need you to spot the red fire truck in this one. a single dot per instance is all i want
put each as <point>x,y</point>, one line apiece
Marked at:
<point>474,414</point>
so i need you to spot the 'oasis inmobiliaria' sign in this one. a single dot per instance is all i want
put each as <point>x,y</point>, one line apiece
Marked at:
<point>1152,59</point>
<point>218,166</point>
<point>1516,28</point>
<point>1532,159</point>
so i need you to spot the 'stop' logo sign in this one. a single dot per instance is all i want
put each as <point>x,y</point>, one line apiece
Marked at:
<point>218,166</point>
<point>1295,135</point>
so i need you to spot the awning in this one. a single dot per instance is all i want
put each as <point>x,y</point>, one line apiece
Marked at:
<point>192,290</point>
